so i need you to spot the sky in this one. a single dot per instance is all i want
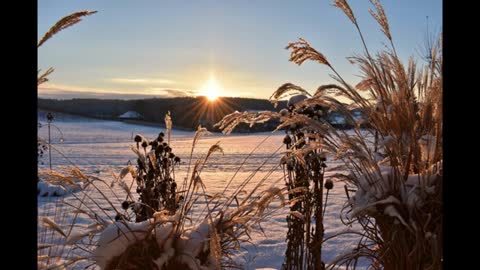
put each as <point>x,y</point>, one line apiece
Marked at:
<point>153,48</point>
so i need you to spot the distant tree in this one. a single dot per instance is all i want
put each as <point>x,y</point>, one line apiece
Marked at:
<point>430,43</point>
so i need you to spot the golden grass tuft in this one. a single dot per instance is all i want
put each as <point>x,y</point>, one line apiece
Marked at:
<point>345,7</point>
<point>381,18</point>
<point>64,23</point>
<point>43,78</point>
<point>302,51</point>
<point>397,177</point>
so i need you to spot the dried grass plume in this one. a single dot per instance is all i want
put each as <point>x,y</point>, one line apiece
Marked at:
<point>63,23</point>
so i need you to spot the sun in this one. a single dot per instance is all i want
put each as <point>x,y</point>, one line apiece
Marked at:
<point>211,89</point>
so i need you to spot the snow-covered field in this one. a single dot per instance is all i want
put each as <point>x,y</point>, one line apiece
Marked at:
<point>97,147</point>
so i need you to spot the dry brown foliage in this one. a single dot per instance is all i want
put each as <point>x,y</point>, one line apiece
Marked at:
<point>398,177</point>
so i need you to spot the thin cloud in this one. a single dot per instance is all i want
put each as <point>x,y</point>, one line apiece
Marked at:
<point>50,88</point>
<point>154,81</point>
<point>63,91</point>
<point>171,92</point>
<point>59,94</point>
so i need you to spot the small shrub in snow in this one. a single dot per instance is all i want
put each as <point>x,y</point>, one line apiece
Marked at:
<point>155,177</point>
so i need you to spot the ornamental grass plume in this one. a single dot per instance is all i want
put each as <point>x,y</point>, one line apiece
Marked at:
<point>398,177</point>
<point>61,24</point>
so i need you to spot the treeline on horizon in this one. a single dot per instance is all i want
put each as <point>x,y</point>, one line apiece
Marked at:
<point>186,112</point>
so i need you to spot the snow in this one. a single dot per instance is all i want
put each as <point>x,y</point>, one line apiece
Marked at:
<point>55,184</point>
<point>99,147</point>
<point>130,115</point>
<point>338,120</point>
<point>45,189</point>
<point>115,239</point>
<point>295,99</point>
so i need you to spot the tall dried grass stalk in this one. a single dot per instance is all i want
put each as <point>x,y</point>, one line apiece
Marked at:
<point>64,23</point>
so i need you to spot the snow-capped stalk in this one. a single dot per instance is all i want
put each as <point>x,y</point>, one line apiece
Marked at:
<point>49,121</point>
<point>168,125</point>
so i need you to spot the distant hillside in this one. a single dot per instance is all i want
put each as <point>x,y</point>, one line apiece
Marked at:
<point>187,112</point>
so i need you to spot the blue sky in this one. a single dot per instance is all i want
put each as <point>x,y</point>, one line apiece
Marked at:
<point>135,49</point>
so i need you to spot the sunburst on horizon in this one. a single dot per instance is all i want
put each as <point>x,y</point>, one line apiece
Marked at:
<point>211,108</point>
<point>211,89</point>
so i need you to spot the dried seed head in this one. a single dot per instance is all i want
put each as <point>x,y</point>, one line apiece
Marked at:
<point>119,217</point>
<point>345,7</point>
<point>125,205</point>
<point>63,23</point>
<point>287,140</point>
<point>381,18</point>
<point>138,138</point>
<point>302,51</point>
<point>49,117</point>
<point>328,184</point>
<point>289,165</point>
